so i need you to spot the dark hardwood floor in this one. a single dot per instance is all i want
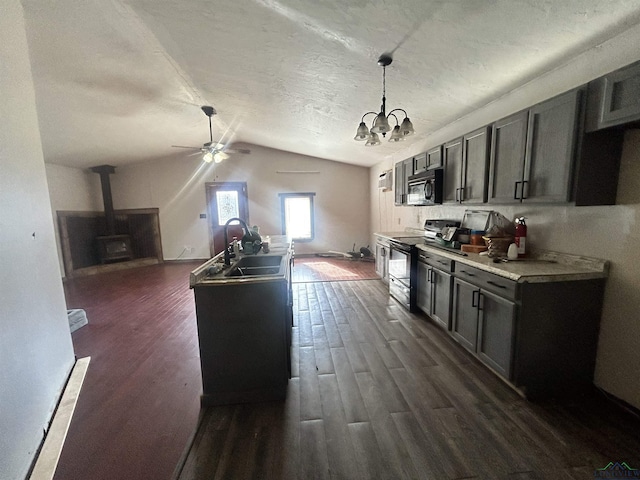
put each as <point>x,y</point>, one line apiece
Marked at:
<point>140,401</point>
<point>379,393</point>
<point>376,392</point>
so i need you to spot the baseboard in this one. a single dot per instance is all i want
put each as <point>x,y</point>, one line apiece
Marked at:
<point>48,456</point>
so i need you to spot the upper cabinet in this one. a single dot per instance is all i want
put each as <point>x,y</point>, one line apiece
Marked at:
<point>452,161</point>
<point>475,166</point>
<point>434,158</point>
<point>541,156</point>
<point>508,144</point>
<point>533,151</point>
<point>420,163</point>
<point>614,99</point>
<point>466,163</point>
<point>402,171</point>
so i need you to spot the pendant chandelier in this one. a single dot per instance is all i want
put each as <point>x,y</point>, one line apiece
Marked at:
<point>380,123</point>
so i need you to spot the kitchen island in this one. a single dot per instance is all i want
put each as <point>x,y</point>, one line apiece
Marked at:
<point>244,317</point>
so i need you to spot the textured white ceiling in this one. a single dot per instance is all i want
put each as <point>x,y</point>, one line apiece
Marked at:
<point>120,81</point>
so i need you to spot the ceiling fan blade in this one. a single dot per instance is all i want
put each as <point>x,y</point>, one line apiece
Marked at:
<point>183,146</point>
<point>238,150</point>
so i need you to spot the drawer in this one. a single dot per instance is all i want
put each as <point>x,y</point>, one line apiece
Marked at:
<point>488,281</point>
<point>437,261</point>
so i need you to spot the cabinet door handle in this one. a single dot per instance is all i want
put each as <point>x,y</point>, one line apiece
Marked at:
<point>495,284</point>
<point>480,301</point>
<point>462,194</point>
<point>474,301</point>
<point>525,188</point>
<point>430,275</point>
<point>457,194</point>
<point>515,191</point>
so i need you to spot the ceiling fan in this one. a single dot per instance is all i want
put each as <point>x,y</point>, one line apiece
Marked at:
<point>214,151</point>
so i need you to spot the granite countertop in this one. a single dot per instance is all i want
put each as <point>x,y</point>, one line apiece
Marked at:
<point>278,245</point>
<point>538,267</point>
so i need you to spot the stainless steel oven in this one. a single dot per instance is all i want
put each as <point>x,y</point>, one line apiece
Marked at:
<point>402,273</point>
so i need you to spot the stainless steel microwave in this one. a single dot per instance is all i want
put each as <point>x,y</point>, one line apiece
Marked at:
<point>425,188</point>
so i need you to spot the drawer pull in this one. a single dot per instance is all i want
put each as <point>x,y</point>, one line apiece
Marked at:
<point>495,284</point>
<point>442,263</point>
<point>468,273</point>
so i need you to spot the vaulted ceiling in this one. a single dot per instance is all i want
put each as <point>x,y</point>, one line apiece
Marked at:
<point>121,81</point>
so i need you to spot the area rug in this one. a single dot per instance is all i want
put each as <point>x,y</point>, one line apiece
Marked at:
<point>332,269</point>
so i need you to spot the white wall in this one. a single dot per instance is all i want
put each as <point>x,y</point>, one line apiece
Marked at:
<point>72,189</point>
<point>610,232</point>
<point>177,187</point>
<point>36,354</point>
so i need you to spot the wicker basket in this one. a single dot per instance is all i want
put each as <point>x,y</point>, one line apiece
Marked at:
<point>498,246</point>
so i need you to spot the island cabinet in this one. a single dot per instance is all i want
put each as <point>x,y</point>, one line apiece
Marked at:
<point>433,295</point>
<point>244,334</point>
<point>541,337</point>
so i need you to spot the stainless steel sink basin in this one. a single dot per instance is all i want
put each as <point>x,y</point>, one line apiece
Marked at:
<point>257,266</point>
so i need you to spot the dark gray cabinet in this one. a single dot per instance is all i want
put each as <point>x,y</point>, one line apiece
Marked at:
<point>533,153</point>
<point>433,294</point>
<point>465,314</point>
<point>541,337</point>
<point>452,162</point>
<point>508,144</point>
<point>475,166</point>
<point>466,166</point>
<point>551,142</point>
<point>402,171</point>
<point>495,331</point>
<point>434,158</point>
<point>420,163</point>
<point>614,99</point>
<point>483,322</point>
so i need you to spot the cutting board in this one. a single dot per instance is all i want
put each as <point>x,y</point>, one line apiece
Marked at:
<point>473,248</point>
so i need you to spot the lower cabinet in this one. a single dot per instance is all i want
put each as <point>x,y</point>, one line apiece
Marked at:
<point>433,294</point>
<point>484,324</point>
<point>541,337</point>
<point>382,261</point>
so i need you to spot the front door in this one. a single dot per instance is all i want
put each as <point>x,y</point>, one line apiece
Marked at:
<point>225,200</point>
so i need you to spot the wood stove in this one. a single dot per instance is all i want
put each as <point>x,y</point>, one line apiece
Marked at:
<point>111,247</point>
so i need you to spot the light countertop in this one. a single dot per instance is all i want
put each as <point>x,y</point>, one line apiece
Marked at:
<point>541,266</point>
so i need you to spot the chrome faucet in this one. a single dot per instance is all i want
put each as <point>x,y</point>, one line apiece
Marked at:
<point>227,257</point>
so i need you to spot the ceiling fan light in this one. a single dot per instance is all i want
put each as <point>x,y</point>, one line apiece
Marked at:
<point>380,124</point>
<point>374,140</point>
<point>362,134</point>
<point>220,156</point>
<point>406,128</point>
<point>207,157</point>
<point>396,136</point>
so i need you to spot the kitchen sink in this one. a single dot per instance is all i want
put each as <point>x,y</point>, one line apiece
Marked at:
<point>256,266</point>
